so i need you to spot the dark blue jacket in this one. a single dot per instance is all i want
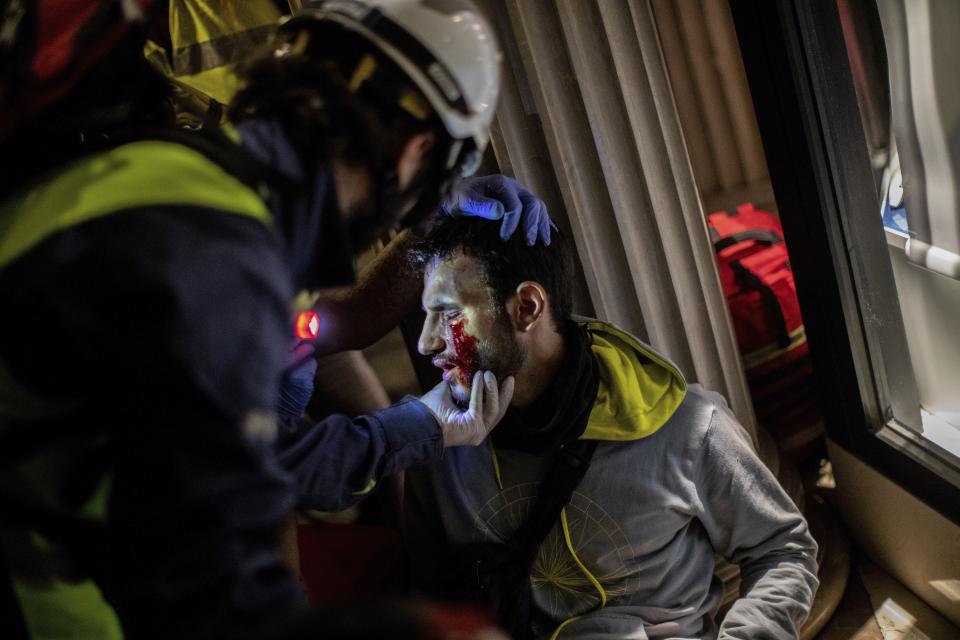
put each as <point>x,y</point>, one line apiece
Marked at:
<point>165,330</point>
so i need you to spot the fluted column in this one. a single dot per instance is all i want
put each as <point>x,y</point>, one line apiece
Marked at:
<point>587,79</point>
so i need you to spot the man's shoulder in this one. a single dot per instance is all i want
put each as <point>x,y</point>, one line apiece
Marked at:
<point>705,420</point>
<point>700,405</point>
<point>690,424</point>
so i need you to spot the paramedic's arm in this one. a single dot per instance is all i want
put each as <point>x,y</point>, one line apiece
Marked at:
<point>337,461</point>
<point>752,521</point>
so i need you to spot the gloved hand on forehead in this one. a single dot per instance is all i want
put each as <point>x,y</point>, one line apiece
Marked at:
<point>498,197</point>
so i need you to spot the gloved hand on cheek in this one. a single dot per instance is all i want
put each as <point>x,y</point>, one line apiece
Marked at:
<point>488,404</point>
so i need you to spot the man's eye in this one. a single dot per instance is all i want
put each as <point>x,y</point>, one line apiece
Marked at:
<point>451,315</point>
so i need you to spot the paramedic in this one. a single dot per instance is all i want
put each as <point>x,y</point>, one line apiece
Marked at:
<point>147,278</point>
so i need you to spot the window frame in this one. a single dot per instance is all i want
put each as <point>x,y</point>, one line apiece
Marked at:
<point>803,92</point>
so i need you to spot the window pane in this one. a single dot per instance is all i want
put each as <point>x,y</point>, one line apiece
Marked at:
<point>903,57</point>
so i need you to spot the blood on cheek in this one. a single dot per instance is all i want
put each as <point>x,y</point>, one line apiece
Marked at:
<point>465,347</point>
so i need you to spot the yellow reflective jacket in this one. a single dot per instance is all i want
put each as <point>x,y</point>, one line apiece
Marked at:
<point>209,37</point>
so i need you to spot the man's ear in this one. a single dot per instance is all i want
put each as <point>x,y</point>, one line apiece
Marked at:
<point>413,156</point>
<point>529,306</point>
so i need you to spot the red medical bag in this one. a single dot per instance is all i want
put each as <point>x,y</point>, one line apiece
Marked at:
<point>758,284</point>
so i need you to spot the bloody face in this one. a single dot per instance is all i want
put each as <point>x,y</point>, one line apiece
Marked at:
<point>466,352</point>
<point>464,331</point>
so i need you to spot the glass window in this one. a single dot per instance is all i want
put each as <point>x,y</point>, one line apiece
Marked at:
<point>903,60</point>
<point>859,110</point>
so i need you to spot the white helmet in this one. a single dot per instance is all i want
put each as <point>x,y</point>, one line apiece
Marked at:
<point>448,50</point>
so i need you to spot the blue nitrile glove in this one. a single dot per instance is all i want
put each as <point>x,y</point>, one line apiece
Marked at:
<point>297,386</point>
<point>495,197</point>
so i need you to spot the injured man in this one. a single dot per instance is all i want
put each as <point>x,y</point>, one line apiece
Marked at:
<point>598,506</point>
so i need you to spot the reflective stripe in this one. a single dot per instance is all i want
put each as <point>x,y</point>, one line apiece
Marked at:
<point>135,175</point>
<point>57,600</point>
<point>209,33</point>
<point>371,484</point>
<point>59,608</point>
<point>798,337</point>
<point>209,37</point>
<point>229,49</point>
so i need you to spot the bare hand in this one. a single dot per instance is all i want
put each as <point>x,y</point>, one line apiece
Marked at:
<point>488,404</point>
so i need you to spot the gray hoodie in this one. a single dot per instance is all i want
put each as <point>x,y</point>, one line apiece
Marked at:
<point>674,480</point>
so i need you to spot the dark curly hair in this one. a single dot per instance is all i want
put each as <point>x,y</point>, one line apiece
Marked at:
<point>309,94</point>
<point>506,263</point>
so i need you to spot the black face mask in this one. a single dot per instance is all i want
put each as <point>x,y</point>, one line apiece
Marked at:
<point>337,240</point>
<point>304,205</point>
<point>328,258</point>
<point>321,244</point>
<point>560,414</point>
<point>317,243</point>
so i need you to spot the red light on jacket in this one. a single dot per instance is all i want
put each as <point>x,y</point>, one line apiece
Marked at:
<point>307,325</point>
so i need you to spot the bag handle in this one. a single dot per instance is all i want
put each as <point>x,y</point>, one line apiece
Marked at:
<point>750,280</point>
<point>763,236</point>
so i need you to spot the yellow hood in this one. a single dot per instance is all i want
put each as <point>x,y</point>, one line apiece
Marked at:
<point>639,389</point>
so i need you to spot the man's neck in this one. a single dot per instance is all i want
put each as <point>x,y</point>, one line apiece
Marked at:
<point>544,357</point>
